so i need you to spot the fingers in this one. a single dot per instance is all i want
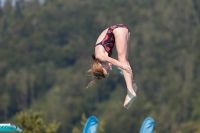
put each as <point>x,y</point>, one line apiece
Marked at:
<point>128,69</point>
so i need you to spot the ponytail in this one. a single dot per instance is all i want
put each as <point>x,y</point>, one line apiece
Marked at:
<point>96,70</point>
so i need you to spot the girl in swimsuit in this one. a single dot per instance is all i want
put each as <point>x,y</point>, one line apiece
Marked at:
<point>114,35</point>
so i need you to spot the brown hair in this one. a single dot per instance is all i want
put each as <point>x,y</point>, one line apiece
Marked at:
<point>96,70</point>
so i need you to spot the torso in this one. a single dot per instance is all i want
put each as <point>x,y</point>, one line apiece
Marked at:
<point>107,40</point>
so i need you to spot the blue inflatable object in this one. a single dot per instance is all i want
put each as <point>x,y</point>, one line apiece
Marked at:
<point>9,128</point>
<point>147,125</point>
<point>91,125</point>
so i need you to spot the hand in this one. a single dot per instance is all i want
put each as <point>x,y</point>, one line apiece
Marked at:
<point>127,68</point>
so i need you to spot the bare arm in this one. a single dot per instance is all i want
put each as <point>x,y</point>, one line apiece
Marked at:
<point>115,62</point>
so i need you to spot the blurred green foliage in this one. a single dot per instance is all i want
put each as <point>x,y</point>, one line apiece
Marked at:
<point>32,122</point>
<point>45,53</point>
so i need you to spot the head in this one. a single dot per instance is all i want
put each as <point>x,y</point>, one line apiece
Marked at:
<point>99,70</point>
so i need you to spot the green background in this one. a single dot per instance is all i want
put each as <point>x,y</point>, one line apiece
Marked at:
<point>45,53</point>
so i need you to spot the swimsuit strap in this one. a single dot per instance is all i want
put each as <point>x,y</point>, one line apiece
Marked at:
<point>98,44</point>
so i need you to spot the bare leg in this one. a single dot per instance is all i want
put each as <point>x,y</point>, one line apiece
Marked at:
<point>121,39</point>
<point>119,70</point>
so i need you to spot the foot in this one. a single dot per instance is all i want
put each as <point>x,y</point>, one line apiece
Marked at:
<point>130,97</point>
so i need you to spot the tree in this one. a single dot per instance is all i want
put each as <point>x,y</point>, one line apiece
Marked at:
<point>32,122</point>
<point>4,102</point>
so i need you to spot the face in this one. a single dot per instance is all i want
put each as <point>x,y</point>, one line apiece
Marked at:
<point>107,67</point>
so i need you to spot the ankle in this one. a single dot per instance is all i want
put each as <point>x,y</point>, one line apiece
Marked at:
<point>131,94</point>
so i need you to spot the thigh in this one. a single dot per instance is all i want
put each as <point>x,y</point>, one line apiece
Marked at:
<point>122,42</point>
